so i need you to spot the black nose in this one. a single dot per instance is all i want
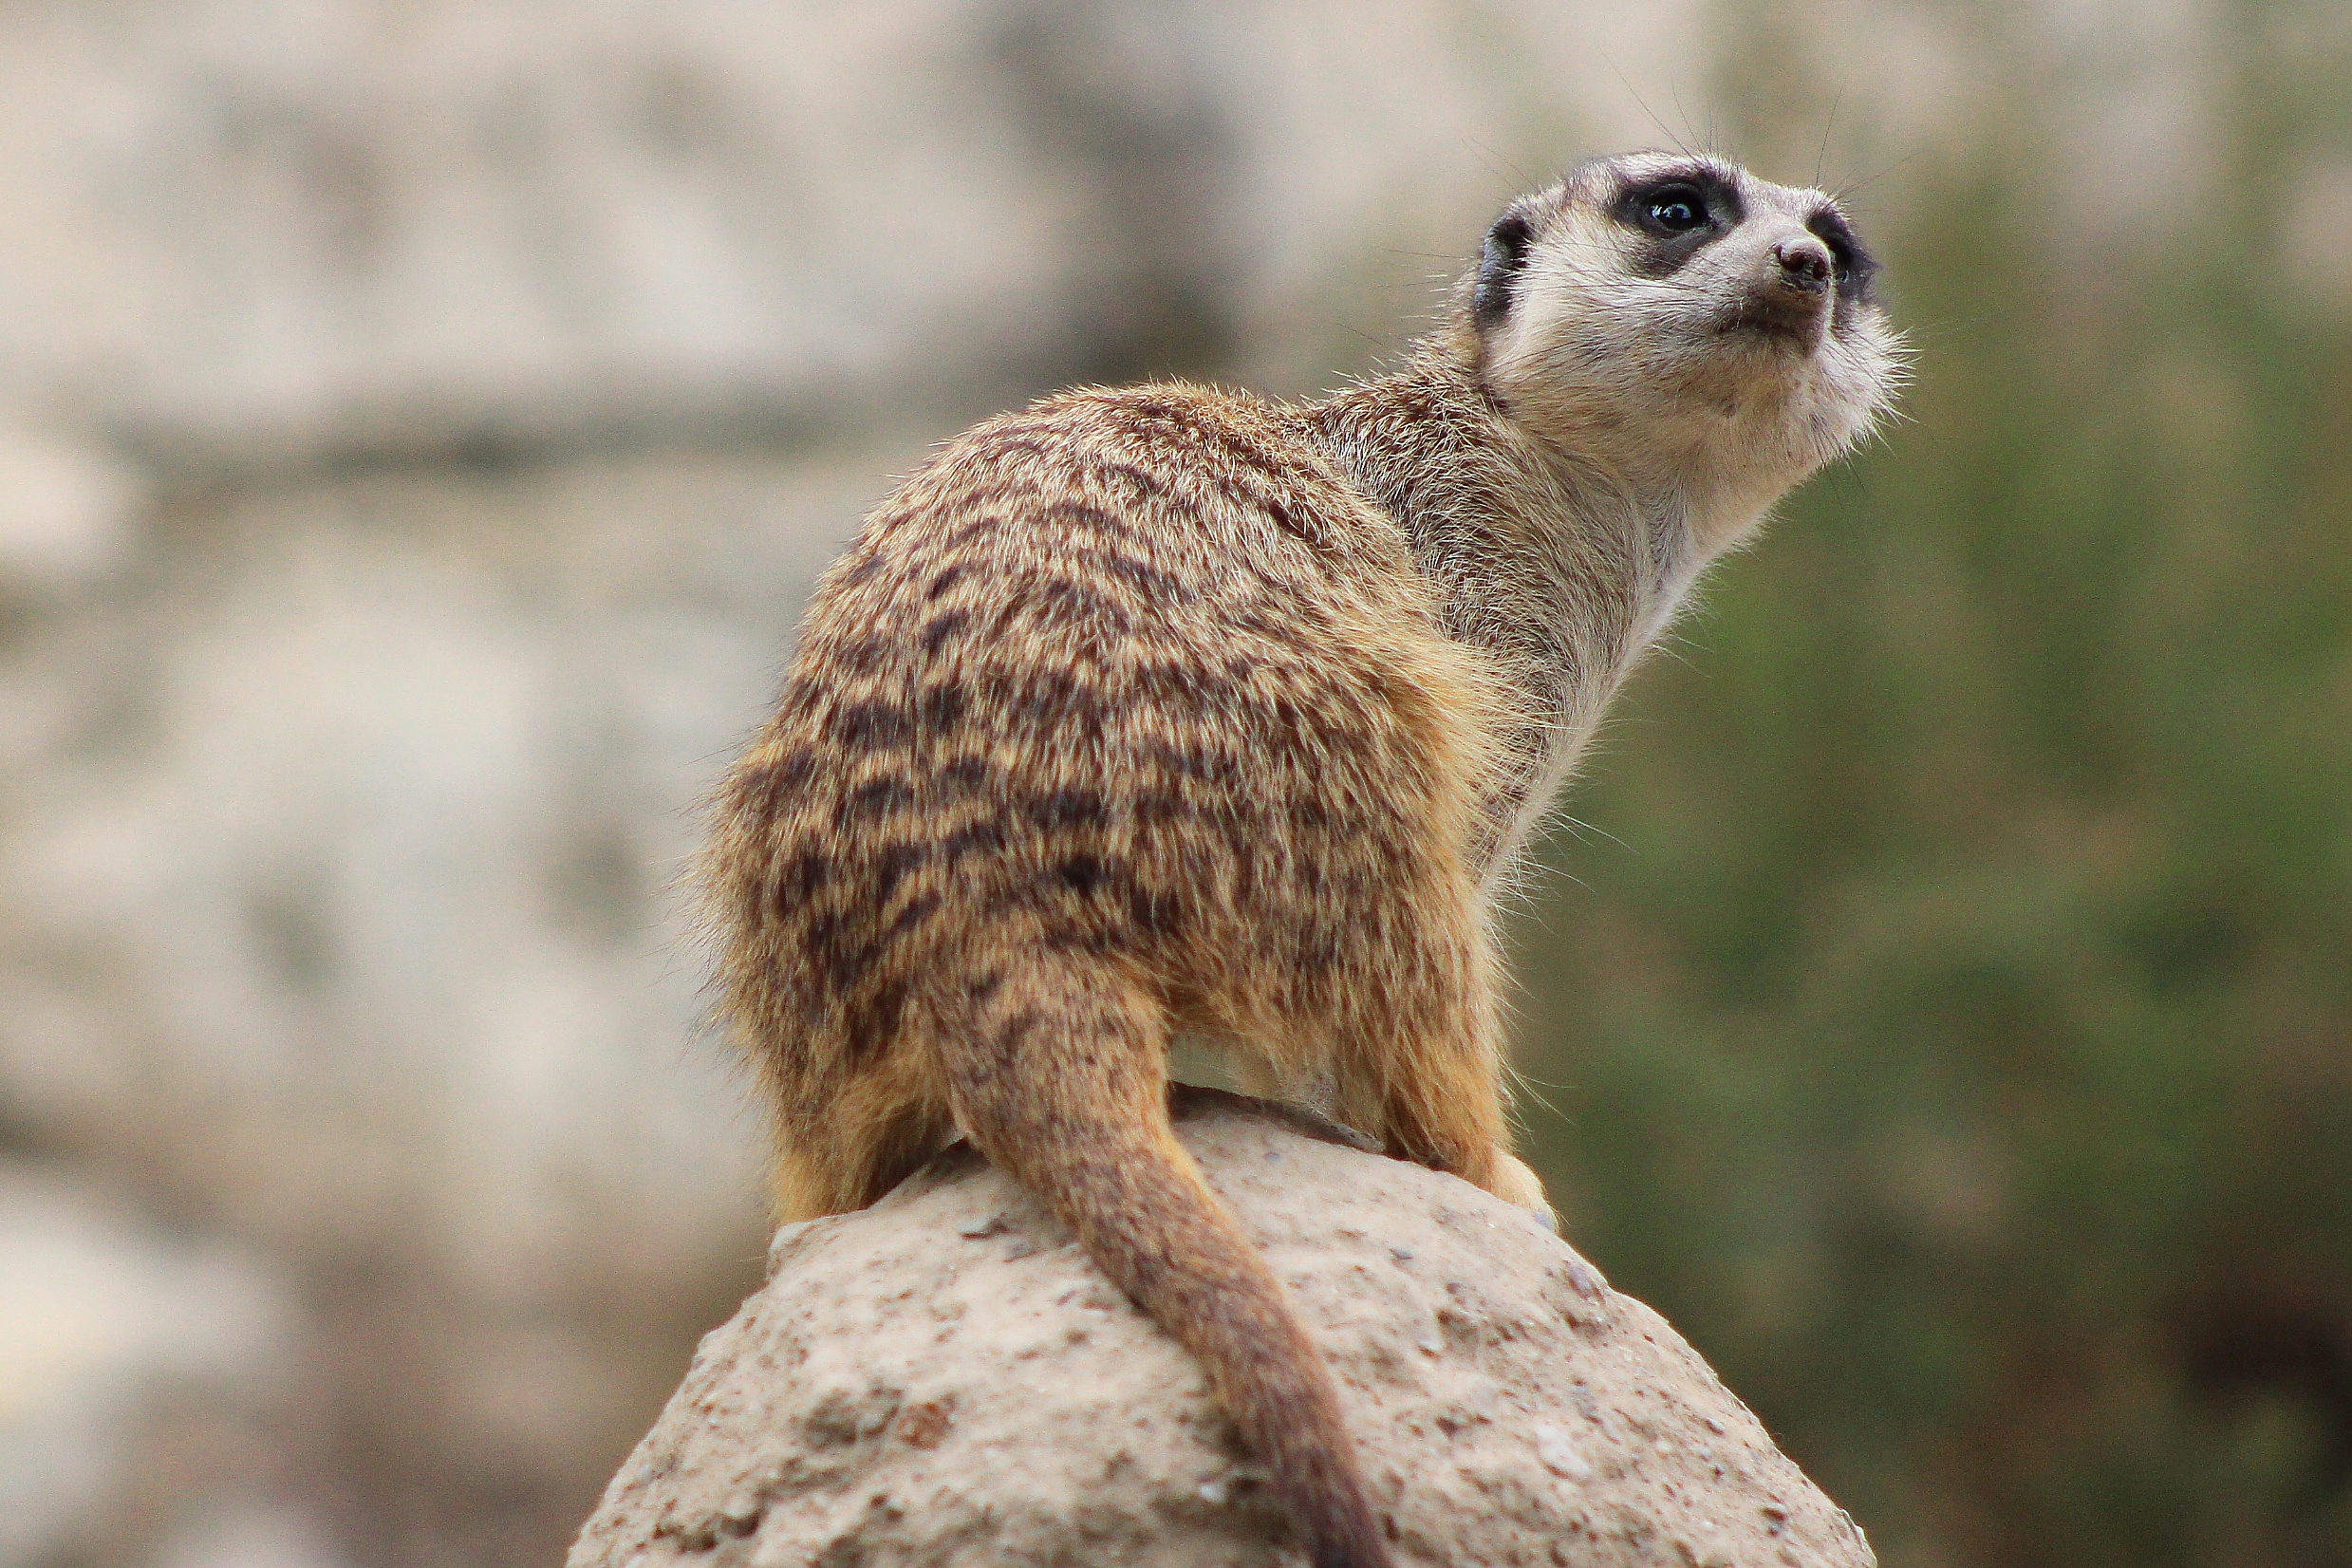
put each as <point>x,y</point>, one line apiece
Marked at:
<point>1804,264</point>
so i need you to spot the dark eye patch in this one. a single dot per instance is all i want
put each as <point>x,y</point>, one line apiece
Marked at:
<point>1676,213</point>
<point>1854,267</point>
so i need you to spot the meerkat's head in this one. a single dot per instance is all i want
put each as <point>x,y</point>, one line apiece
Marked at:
<point>1680,321</point>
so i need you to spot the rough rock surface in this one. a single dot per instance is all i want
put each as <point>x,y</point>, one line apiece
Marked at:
<point>945,1379</point>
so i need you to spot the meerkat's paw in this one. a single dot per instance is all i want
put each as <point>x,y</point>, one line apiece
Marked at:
<point>1515,1184</point>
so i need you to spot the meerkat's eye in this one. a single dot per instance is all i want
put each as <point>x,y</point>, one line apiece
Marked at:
<point>1676,209</point>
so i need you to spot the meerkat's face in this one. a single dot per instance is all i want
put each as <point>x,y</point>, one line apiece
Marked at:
<point>1672,313</point>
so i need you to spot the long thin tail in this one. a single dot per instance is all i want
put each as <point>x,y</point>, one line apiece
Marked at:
<point>1059,1077</point>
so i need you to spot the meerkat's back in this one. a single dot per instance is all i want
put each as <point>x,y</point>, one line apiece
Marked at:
<point>1169,710</point>
<point>1124,715</point>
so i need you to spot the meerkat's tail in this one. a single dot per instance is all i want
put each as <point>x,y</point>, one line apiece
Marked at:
<point>1059,1075</point>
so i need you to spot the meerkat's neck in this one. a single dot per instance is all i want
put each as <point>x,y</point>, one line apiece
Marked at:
<point>1491,505</point>
<point>1563,570</point>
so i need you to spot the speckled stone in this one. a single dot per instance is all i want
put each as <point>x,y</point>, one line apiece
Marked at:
<point>945,1379</point>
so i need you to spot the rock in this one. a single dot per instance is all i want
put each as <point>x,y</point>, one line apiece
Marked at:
<point>945,1378</point>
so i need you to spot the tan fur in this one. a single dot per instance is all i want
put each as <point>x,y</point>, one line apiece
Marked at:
<point>1170,710</point>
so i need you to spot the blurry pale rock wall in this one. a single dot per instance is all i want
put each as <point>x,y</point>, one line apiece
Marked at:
<point>249,233</point>
<point>417,422</point>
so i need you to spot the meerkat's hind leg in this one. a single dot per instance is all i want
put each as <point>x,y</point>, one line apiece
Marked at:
<point>1464,1133</point>
<point>842,1158</point>
<point>1445,1110</point>
<point>1418,1056</point>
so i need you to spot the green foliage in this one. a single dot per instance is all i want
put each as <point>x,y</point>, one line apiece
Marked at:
<point>1952,1023</point>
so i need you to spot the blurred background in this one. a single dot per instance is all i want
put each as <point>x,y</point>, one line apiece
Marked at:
<point>420,420</point>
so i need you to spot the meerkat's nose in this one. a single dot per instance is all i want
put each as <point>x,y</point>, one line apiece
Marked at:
<point>1788,296</point>
<point>1804,264</point>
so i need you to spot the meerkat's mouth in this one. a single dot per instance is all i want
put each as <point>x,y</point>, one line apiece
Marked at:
<point>1782,315</point>
<point>1791,303</point>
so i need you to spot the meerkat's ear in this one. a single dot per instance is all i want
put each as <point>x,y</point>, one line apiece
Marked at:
<point>1499,261</point>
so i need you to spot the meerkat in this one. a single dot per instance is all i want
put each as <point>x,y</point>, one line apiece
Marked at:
<point>1172,710</point>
